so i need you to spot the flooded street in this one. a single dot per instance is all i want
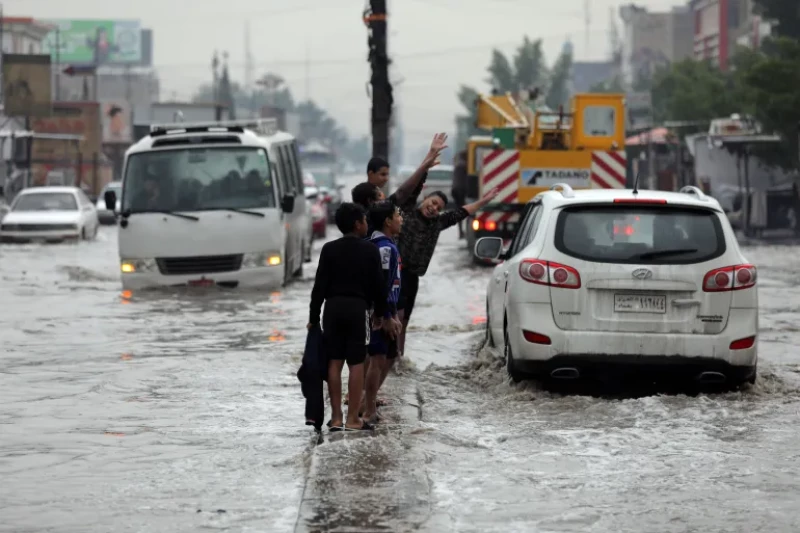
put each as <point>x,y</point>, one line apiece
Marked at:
<point>182,413</point>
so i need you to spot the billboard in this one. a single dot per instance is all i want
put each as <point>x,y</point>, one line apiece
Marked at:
<point>26,85</point>
<point>115,116</point>
<point>94,42</point>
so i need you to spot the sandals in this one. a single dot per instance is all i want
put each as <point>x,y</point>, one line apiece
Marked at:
<point>365,426</point>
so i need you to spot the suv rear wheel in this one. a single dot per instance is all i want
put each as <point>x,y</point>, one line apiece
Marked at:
<point>515,375</point>
<point>488,339</point>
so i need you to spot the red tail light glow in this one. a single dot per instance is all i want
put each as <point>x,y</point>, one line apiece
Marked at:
<point>536,338</point>
<point>627,230</point>
<point>732,278</point>
<point>743,344</point>
<point>549,273</point>
<point>639,201</point>
<point>491,225</point>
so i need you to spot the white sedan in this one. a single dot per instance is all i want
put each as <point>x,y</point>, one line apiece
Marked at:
<point>50,214</point>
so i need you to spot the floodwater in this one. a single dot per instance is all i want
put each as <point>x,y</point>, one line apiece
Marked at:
<point>182,413</point>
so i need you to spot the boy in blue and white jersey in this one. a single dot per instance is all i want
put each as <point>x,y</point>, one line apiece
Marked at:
<point>385,217</point>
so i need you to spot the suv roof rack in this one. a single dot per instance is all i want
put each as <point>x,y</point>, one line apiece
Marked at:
<point>691,189</point>
<point>262,126</point>
<point>566,190</point>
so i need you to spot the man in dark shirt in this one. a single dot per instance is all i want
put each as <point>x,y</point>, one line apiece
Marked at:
<point>421,228</point>
<point>350,281</point>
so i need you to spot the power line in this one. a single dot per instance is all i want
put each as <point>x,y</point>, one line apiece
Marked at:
<point>439,52</point>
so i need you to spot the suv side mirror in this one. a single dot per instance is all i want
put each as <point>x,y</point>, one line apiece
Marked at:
<point>110,197</point>
<point>287,203</point>
<point>489,248</point>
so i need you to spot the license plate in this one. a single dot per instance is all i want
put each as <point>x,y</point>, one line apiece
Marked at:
<point>640,303</point>
<point>201,283</point>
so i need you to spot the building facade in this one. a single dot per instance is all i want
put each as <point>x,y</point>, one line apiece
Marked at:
<point>651,40</point>
<point>722,25</point>
<point>23,35</point>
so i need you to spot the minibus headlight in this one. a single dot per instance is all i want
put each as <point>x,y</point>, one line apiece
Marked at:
<point>131,266</point>
<point>261,259</point>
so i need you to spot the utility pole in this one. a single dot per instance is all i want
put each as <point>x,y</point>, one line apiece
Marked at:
<point>307,73</point>
<point>58,63</point>
<point>215,87</point>
<point>375,18</point>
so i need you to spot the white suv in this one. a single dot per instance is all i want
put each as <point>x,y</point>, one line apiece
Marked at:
<point>616,277</point>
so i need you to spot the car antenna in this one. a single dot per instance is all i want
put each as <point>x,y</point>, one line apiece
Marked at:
<point>636,181</point>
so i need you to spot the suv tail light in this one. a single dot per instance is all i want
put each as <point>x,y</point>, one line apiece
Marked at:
<point>732,278</point>
<point>639,201</point>
<point>549,273</point>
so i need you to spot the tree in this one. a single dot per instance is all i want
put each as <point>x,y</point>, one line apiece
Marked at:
<point>691,90</point>
<point>558,92</point>
<point>525,71</point>
<point>251,101</point>
<point>773,83</point>
<point>529,65</point>
<point>501,75</point>
<point>785,12</point>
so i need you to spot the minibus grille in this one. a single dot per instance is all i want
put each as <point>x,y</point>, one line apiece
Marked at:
<point>203,264</point>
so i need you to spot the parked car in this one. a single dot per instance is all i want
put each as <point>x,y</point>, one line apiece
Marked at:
<point>319,217</point>
<point>330,189</point>
<point>106,216</point>
<point>50,214</point>
<point>599,279</point>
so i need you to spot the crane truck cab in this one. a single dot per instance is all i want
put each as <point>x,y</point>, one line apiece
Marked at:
<point>530,151</point>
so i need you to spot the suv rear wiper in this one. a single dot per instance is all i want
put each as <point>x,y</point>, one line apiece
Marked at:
<point>661,253</point>
<point>245,211</point>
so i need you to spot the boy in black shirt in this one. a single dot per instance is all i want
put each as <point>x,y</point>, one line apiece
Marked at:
<point>350,282</point>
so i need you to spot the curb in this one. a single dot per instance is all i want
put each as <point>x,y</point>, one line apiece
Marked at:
<point>370,481</point>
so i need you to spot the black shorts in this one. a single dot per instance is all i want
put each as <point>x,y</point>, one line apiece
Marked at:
<point>381,344</point>
<point>409,285</point>
<point>345,330</point>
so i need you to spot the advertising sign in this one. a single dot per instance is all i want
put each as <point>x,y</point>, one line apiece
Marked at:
<point>94,42</point>
<point>26,85</point>
<point>547,177</point>
<point>116,119</point>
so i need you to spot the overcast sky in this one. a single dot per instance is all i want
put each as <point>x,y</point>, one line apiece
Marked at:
<point>436,44</point>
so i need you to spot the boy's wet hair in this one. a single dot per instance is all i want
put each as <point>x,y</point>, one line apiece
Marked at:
<point>440,194</point>
<point>377,163</point>
<point>347,216</point>
<point>365,194</point>
<point>381,212</point>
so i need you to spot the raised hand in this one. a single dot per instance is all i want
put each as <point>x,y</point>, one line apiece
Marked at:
<point>438,144</point>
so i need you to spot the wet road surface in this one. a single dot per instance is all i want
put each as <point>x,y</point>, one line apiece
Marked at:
<point>182,413</point>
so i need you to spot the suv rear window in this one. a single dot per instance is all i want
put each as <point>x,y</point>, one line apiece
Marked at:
<point>652,235</point>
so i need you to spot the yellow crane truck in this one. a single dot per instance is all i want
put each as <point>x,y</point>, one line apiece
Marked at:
<point>530,151</point>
